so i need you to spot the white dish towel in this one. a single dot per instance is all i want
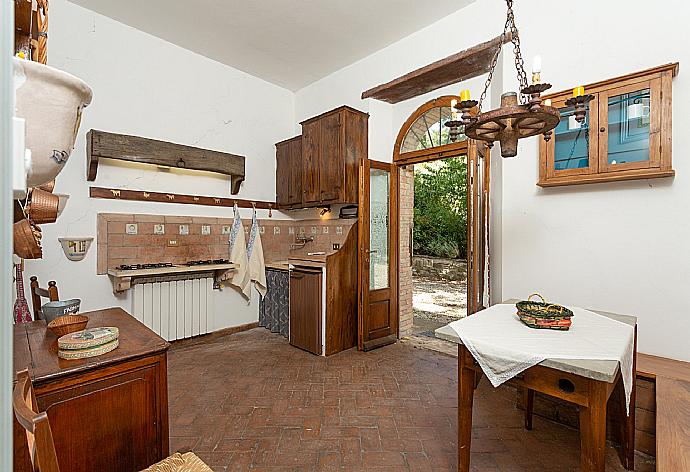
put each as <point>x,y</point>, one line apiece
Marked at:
<point>504,347</point>
<point>255,254</point>
<point>238,256</point>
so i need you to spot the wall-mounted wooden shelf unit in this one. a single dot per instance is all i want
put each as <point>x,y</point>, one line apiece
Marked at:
<point>101,144</point>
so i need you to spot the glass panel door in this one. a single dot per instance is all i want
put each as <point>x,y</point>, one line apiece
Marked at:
<point>571,142</point>
<point>570,150</point>
<point>379,228</point>
<point>630,133</point>
<point>628,127</point>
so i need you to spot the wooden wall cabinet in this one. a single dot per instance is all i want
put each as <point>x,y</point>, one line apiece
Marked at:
<point>289,173</point>
<point>320,167</point>
<point>626,134</point>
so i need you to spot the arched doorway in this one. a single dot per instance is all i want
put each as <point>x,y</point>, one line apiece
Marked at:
<point>424,138</point>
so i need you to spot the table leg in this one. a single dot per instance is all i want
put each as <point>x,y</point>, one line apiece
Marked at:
<point>529,407</point>
<point>466,383</point>
<point>593,430</point>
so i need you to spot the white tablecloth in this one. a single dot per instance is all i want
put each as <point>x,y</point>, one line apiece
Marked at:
<point>503,346</point>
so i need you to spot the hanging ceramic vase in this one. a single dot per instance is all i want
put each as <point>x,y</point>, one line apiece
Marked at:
<point>51,101</point>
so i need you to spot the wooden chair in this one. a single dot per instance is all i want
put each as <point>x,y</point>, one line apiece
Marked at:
<point>51,293</point>
<point>39,436</point>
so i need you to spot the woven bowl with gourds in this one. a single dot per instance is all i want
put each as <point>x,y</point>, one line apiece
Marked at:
<point>543,315</point>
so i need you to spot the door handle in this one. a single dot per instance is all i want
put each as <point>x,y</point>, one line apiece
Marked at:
<point>369,251</point>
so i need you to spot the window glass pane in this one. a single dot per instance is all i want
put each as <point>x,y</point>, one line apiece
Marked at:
<point>429,131</point>
<point>379,224</point>
<point>571,141</point>
<point>629,127</point>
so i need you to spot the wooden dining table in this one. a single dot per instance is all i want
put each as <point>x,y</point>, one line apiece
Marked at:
<point>587,383</point>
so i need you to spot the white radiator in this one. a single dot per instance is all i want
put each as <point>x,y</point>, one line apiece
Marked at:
<point>177,309</point>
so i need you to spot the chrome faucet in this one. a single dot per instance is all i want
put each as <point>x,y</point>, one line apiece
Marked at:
<point>300,241</point>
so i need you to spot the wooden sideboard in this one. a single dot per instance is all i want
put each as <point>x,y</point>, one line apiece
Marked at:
<point>107,413</point>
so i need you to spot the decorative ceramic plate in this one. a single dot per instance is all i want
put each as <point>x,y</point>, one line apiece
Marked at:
<point>88,337</point>
<point>89,351</point>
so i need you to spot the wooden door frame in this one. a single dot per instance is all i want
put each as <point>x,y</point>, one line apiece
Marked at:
<point>393,254</point>
<point>402,160</point>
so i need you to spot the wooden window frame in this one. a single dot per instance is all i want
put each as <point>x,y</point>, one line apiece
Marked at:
<point>658,80</point>
<point>432,153</point>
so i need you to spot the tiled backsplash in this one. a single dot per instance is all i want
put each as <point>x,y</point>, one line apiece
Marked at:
<point>139,239</point>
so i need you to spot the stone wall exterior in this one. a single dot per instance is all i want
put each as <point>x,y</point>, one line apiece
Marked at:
<point>406,187</point>
<point>439,268</point>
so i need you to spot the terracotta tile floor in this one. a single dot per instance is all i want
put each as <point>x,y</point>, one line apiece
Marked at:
<point>250,401</point>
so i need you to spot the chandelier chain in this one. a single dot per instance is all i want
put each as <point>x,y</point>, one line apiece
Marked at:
<point>511,27</point>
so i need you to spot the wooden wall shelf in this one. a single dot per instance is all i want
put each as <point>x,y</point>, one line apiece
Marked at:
<point>461,66</point>
<point>144,196</point>
<point>101,144</point>
<point>124,279</point>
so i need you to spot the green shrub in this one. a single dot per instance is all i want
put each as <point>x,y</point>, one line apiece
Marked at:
<point>440,208</point>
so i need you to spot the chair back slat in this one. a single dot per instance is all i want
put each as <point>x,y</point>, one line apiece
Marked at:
<point>51,293</point>
<point>39,436</point>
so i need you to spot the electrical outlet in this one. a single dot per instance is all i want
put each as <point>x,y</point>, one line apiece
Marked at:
<point>173,243</point>
<point>336,246</point>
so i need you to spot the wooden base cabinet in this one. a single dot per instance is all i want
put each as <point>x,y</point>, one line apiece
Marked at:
<point>305,309</point>
<point>323,300</point>
<point>107,413</point>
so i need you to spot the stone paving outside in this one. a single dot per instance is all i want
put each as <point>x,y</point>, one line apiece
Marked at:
<point>435,303</point>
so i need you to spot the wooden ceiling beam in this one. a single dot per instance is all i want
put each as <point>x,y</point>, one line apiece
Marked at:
<point>461,66</point>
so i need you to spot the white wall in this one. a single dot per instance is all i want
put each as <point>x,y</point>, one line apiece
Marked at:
<point>145,86</point>
<point>620,246</point>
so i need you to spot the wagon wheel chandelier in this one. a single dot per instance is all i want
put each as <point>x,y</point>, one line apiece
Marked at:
<point>517,117</point>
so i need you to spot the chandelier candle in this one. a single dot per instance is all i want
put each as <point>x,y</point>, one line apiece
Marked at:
<point>536,70</point>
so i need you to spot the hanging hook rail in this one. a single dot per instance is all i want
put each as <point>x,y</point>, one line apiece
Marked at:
<point>158,197</point>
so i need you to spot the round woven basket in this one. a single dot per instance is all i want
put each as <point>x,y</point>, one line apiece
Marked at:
<point>27,240</point>
<point>68,324</point>
<point>43,207</point>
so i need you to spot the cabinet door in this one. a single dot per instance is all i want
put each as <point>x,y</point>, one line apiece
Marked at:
<point>283,173</point>
<point>108,424</point>
<point>573,148</point>
<point>331,164</point>
<point>630,124</point>
<point>294,197</point>
<point>305,310</point>
<point>311,148</point>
